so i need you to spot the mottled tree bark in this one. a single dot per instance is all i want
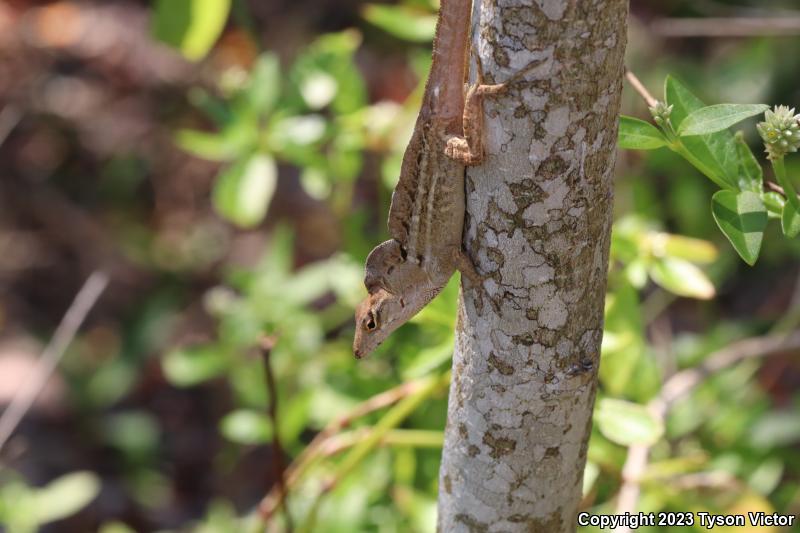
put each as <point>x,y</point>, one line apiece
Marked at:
<point>538,223</point>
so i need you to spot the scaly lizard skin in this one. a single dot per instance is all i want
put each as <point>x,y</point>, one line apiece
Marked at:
<point>426,218</point>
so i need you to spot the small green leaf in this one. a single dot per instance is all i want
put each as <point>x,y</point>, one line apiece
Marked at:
<point>189,366</point>
<point>715,154</point>
<point>627,423</point>
<point>717,117</point>
<point>316,183</point>
<point>319,89</point>
<point>303,130</point>
<point>742,218</point>
<point>264,86</point>
<point>750,174</point>
<point>210,146</point>
<point>246,427</point>
<point>65,496</point>
<point>636,273</point>
<point>774,203</point>
<point>682,247</point>
<point>635,134</point>
<point>623,338</point>
<point>402,22</point>
<point>790,220</point>
<point>244,191</point>
<point>136,433</point>
<point>590,474</point>
<point>776,428</point>
<point>191,26</point>
<point>681,277</point>
<point>325,74</point>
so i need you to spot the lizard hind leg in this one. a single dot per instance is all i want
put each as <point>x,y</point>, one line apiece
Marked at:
<point>469,149</point>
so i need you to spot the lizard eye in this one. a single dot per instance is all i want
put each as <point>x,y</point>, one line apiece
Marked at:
<point>369,322</point>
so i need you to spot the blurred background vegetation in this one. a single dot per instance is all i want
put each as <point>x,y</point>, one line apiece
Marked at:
<point>229,164</point>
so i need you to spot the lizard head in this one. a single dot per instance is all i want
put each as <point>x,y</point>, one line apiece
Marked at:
<point>378,315</point>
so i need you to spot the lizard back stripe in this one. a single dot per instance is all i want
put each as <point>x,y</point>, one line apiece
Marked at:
<point>430,209</point>
<point>423,177</point>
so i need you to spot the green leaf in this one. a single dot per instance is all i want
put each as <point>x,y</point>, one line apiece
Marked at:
<point>635,134</point>
<point>191,26</point>
<point>717,117</point>
<point>681,277</point>
<point>790,220</point>
<point>682,247</point>
<point>65,496</point>
<point>319,89</point>
<point>264,86</point>
<point>189,366</point>
<point>326,74</point>
<point>402,22</point>
<point>244,191</point>
<point>774,203</point>
<point>777,428</point>
<point>714,155</point>
<point>590,474</point>
<point>210,146</point>
<point>297,131</point>
<point>742,218</point>
<point>246,427</point>
<point>751,176</point>
<point>623,338</point>
<point>627,423</point>
<point>134,432</point>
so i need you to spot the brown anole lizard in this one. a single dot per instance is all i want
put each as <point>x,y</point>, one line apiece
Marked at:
<point>426,218</point>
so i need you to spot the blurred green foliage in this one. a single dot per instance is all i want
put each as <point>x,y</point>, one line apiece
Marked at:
<point>24,509</point>
<point>191,26</point>
<point>357,464</point>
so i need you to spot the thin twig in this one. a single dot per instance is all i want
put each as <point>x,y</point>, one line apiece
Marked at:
<point>726,26</point>
<point>639,87</point>
<point>635,465</point>
<point>387,423</point>
<point>775,187</point>
<point>269,505</point>
<point>684,382</point>
<point>417,438</point>
<point>266,345</point>
<point>48,361</point>
<point>681,384</point>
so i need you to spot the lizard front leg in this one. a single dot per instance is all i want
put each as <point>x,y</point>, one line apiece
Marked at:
<point>464,264</point>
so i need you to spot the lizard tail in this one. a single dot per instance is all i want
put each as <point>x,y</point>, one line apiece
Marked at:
<point>450,59</point>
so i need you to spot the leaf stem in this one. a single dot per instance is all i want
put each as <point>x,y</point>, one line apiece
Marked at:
<point>783,180</point>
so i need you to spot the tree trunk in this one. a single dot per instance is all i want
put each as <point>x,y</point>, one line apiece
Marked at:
<point>538,223</point>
